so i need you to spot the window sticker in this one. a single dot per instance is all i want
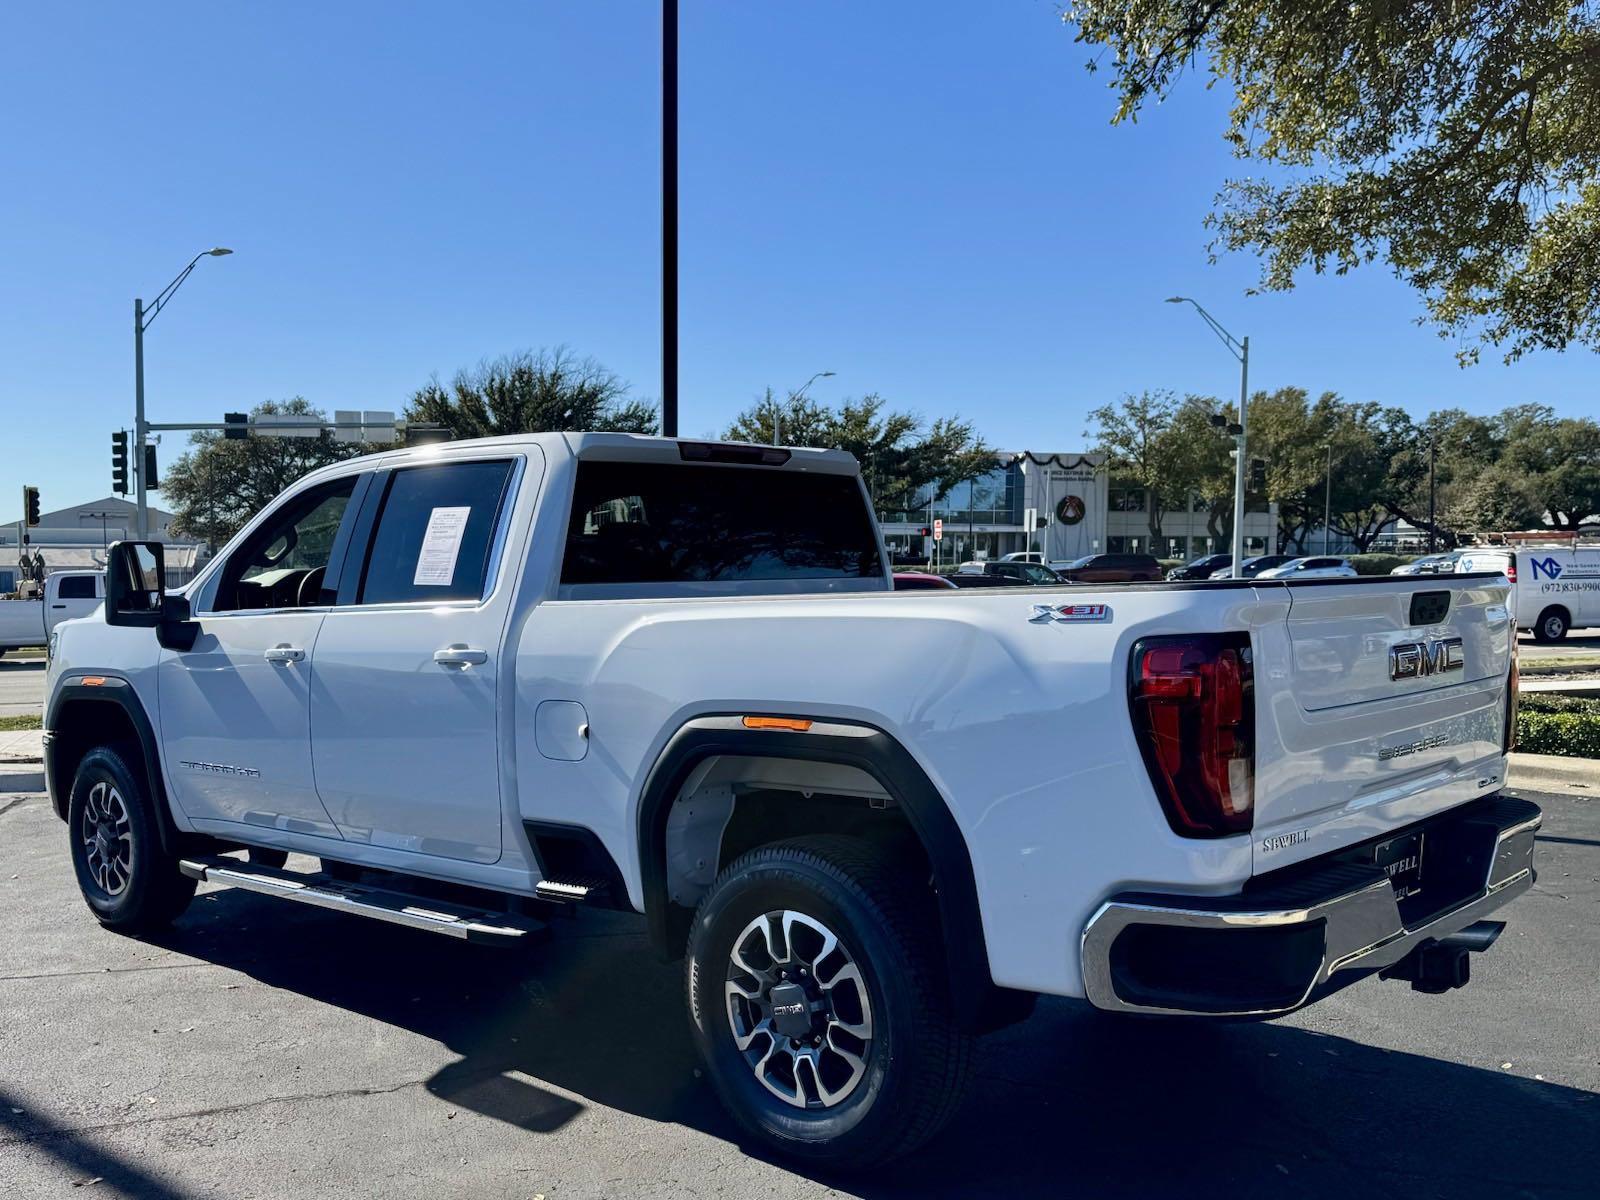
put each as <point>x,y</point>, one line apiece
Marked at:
<point>436,561</point>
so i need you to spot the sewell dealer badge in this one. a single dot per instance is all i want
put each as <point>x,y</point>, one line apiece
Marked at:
<point>1043,614</point>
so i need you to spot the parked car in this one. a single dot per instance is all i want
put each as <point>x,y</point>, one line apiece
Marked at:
<point>1024,572</point>
<point>67,594</point>
<point>672,678</point>
<point>1032,556</point>
<point>1112,568</point>
<point>1553,588</point>
<point>921,581</point>
<point>1311,568</point>
<point>1203,567</point>
<point>982,579</point>
<point>1431,564</point>
<point>1254,566</point>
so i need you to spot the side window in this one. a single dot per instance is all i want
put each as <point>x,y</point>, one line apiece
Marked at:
<point>77,587</point>
<point>283,563</point>
<point>434,533</point>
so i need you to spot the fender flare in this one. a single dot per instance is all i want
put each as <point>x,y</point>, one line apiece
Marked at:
<point>859,745</point>
<point>119,692</point>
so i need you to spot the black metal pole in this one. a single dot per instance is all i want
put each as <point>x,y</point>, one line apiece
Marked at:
<point>669,218</point>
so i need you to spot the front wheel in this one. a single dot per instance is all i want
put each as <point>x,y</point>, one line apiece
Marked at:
<point>128,880</point>
<point>1551,626</point>
<point>820,1004</point>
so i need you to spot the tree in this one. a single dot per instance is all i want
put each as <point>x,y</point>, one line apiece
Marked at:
<point>907,464</point>
<point>1559,458</point>
<point>550,391</point>
<point>219,484</point>
<point>1135,436</point>
<point>1455,138</point>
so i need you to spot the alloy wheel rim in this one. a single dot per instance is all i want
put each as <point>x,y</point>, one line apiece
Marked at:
<point>815,1058</point>
<point>107,839</point>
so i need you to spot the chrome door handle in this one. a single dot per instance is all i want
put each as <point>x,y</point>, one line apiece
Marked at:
<point>460,656</point>
<point>283,654</point>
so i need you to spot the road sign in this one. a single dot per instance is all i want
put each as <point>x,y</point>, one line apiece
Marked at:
<point>1030,520</point>
<point>938,529</point>
<point>375,425</point>
<point>289,425</point>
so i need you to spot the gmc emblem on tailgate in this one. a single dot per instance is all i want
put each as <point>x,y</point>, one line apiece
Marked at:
<point>1413,660</point>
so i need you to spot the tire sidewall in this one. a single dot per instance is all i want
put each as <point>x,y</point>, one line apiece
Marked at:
<point>106,766</point>
<point>801,886</point>
<point>1545,631</point>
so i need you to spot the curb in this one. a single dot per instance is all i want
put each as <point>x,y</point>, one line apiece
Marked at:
<point>1555,773</point>
<point>20,781</point>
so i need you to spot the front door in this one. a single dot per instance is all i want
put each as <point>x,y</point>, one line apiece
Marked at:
<point>235,708</point>
<point>403,703</point>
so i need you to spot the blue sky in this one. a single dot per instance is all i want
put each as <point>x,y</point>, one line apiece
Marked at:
<point>926,198</point>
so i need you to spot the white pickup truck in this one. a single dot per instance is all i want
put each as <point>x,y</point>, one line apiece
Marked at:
<point>67,594</point>
<point>481,680</point>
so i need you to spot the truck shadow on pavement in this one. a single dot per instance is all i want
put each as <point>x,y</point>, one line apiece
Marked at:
<point>1071,1102</point>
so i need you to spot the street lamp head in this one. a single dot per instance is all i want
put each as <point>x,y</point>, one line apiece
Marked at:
<point>1177,299</point>
<point>218,251</point>
<point>825,375</point>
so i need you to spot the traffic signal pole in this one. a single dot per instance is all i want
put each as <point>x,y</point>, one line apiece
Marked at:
<point>141,520</point>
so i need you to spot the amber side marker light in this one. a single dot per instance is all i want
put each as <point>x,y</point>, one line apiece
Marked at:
<point>93,681</point>
<point>790,723</point>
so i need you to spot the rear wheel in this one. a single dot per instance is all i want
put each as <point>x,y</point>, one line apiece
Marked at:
<point>1551,625</point>
<point>128,880</point>
<point>818,993</point>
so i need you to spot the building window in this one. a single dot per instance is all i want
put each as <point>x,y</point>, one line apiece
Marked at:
<point>1126,499</point>
<point>1177,547</point>
<point>1255,545</point>
<point>1124,545</point>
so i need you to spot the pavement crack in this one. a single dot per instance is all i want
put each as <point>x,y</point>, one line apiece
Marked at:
<point>54,1132</point>
<point>18,803</point>
<point>183,966</point>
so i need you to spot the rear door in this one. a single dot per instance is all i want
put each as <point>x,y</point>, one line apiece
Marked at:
<point>1377,704</point>
<point>70,596</point>
<point>404,716</point>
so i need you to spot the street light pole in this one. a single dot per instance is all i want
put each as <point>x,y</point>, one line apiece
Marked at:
<point>1431,522</point>
<point>669,218</point>
<point>142,319</point>
<point>777,413</point>
<point>1240,350</point>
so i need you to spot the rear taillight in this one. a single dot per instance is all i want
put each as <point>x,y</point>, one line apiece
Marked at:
<point>1513,698</point>
<point>1193,703</point>
<point>1511,570</point>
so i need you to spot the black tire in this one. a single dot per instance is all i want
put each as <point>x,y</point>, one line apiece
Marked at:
<point>264,856</point>
<point>917,1060</point>
<point>143,890</point>
<point>1551,626</point>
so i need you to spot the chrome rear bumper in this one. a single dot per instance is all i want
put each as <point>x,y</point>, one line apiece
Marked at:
<point>1271,948</point>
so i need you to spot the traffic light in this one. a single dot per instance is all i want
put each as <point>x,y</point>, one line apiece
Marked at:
<point>147,476</point>
<point>30,504</point>
<point>119,462</point>
<point>925,531</point>
<point>1258,475</point>
<point>238,426</point>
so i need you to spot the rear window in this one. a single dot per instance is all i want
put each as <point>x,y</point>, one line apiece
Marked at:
<point>77,587</point>
<point>665,523</point>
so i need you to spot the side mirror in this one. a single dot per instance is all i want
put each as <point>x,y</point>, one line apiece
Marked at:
<point>135,584</point>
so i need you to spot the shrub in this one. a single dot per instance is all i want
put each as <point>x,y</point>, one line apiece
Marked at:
<point>1556,702</point>
<point>1379,564</point>
<point>1572,734</point>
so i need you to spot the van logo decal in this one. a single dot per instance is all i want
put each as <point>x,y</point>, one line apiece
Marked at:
<point>1415,660</point>
<point>1549,566</point>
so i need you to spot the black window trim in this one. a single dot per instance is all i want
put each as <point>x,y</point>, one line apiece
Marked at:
<point>364,534</point>
<point>211,585</point>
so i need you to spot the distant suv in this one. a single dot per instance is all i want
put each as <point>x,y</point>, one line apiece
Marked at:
<point>1111,568</point>
<point>1023,572</point>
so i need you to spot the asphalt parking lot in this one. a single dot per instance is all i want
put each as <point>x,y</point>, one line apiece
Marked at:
<point>261,1049</point>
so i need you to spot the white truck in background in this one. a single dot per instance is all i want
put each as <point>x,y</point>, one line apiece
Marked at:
<point>67,594</point>
<point>484,680</point>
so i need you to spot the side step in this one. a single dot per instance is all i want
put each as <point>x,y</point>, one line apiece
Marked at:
<point>417,912</point>
<point>569,891</point>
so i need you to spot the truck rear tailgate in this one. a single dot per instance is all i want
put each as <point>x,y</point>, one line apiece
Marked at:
<point>1378,703</point>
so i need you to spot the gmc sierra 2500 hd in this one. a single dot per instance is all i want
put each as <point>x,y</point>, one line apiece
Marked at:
<point>482,679</point>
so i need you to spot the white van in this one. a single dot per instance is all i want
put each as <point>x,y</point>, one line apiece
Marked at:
<point>1554,588</point>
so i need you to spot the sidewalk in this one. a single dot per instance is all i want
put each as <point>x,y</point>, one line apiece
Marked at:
<point>22,761</point>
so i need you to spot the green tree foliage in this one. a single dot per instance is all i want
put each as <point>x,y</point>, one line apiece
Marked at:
<point>548,391</point>
<point>906,461</point>
<point>218,485</point>
<point>1455,138</point>
<point>1135,434</point>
